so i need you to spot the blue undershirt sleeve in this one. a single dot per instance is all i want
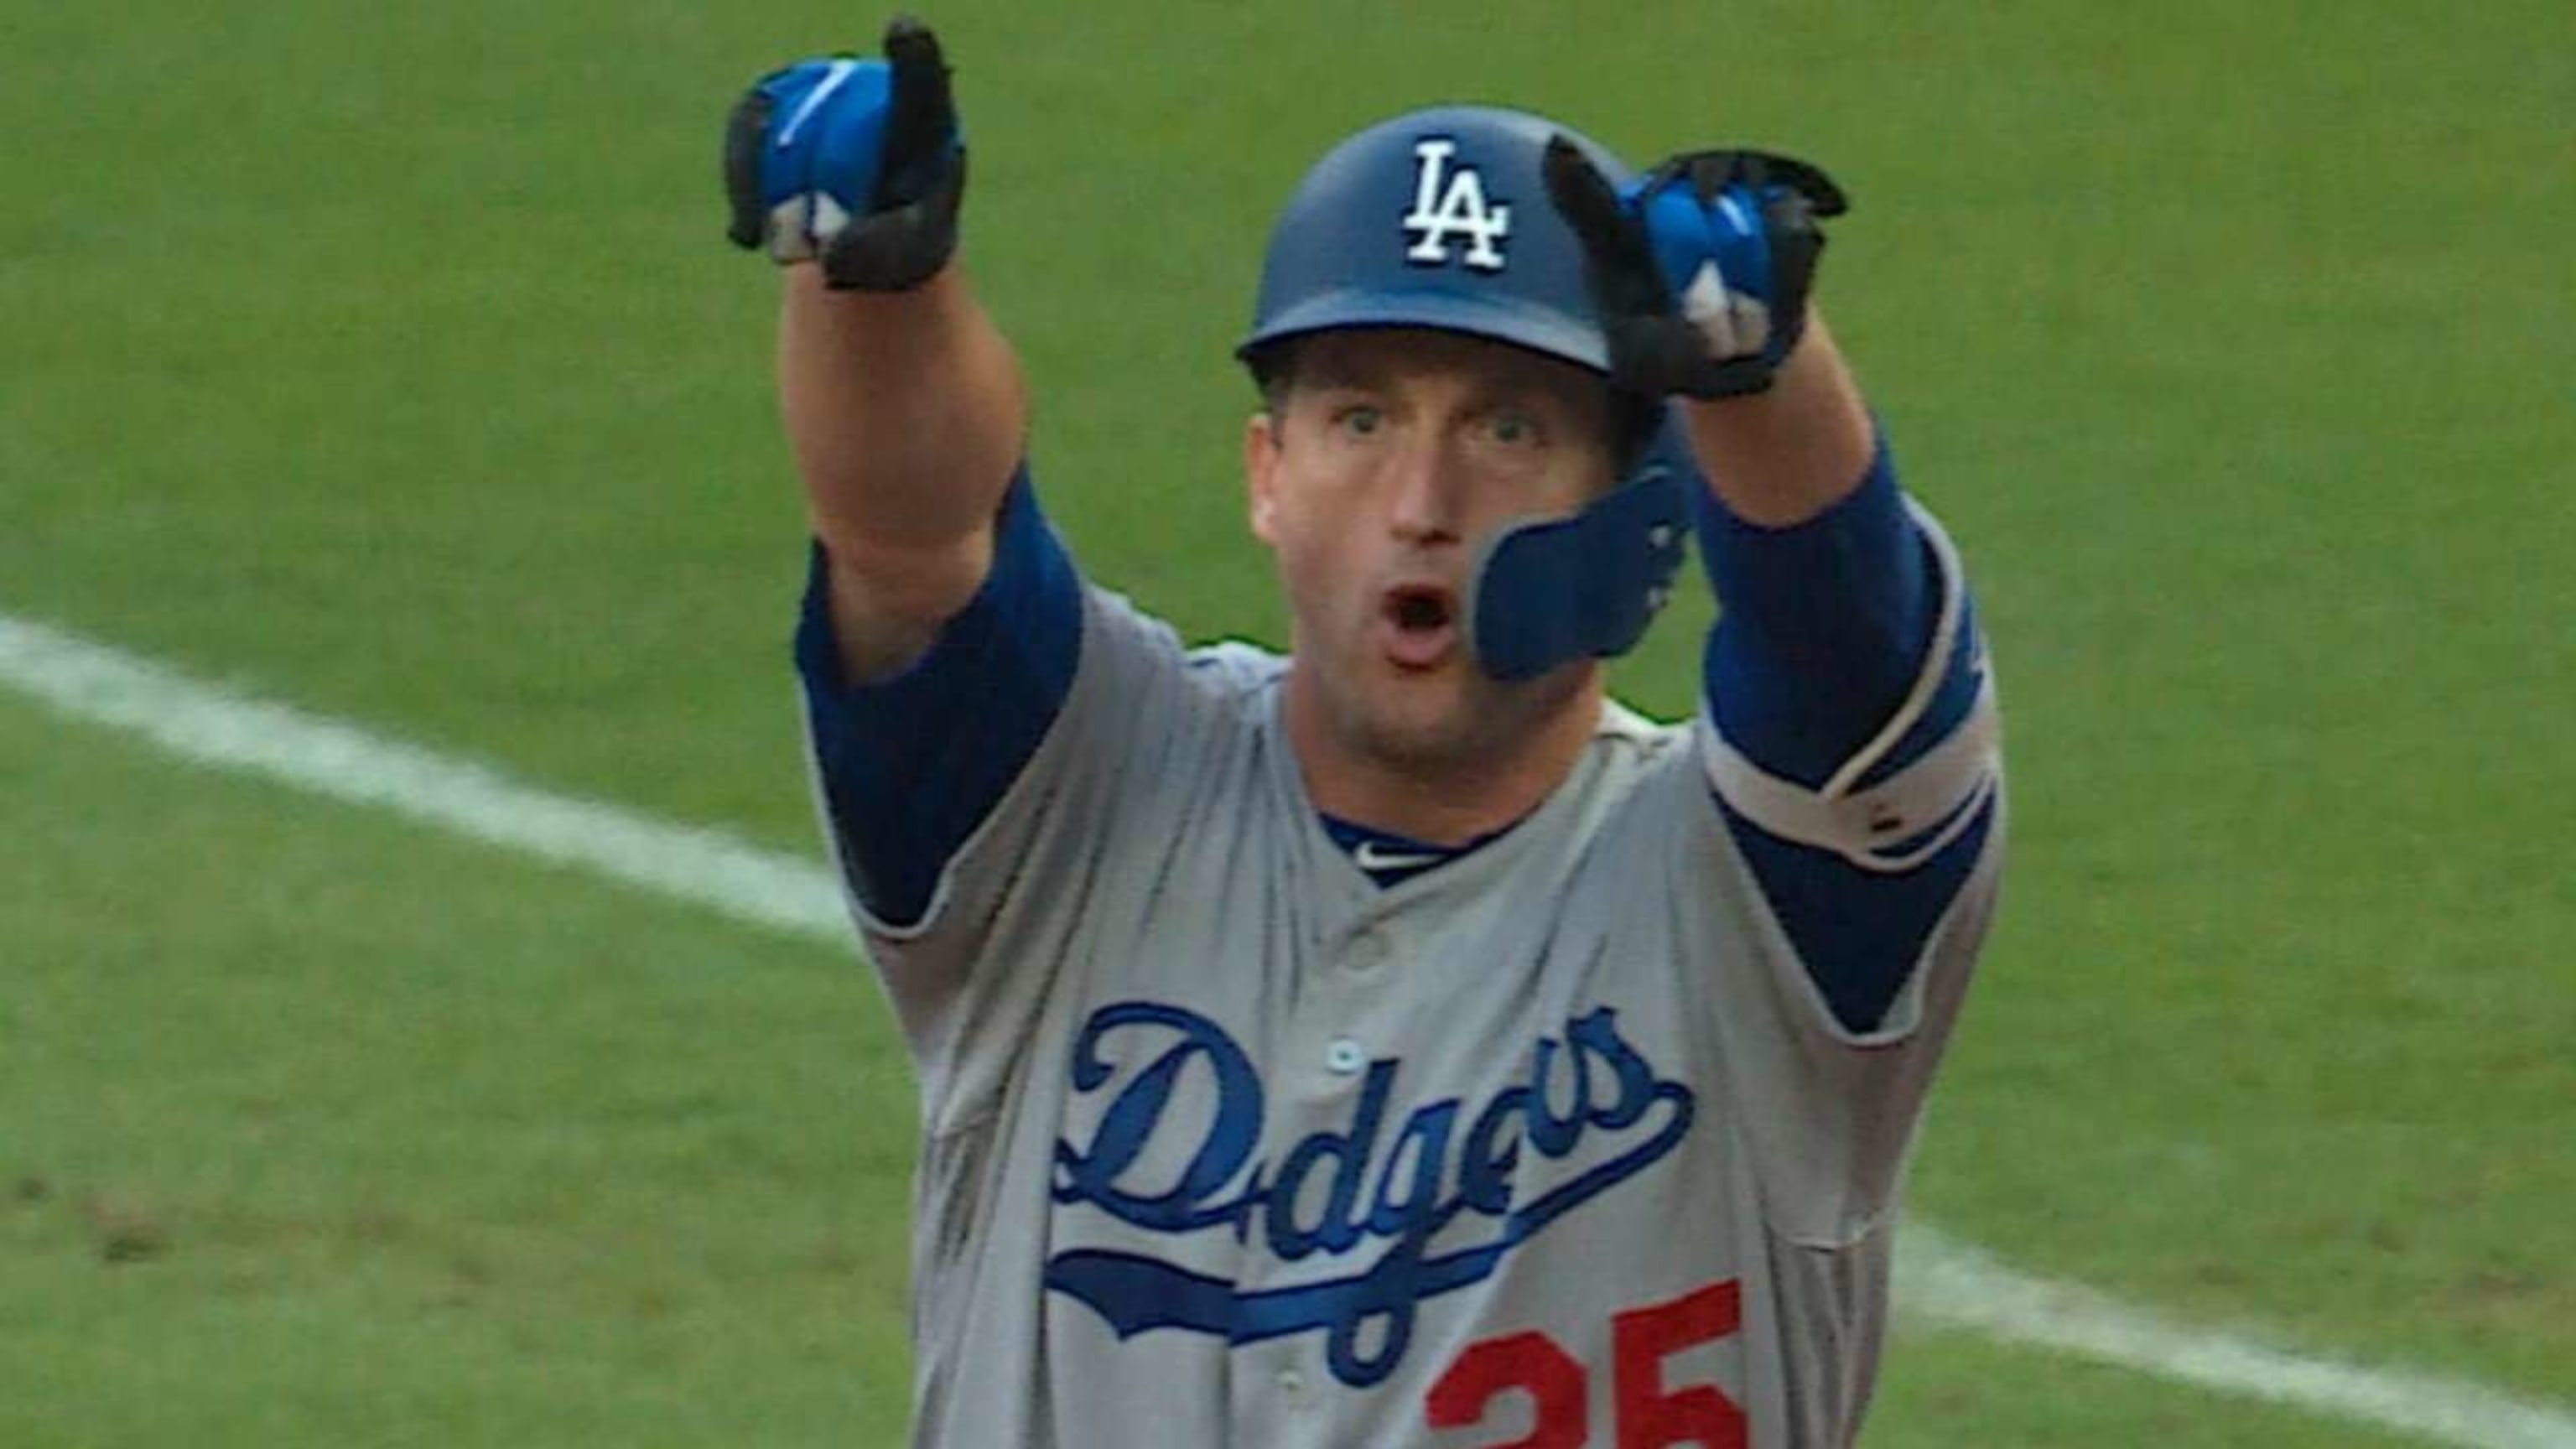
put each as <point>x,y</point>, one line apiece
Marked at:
<point>911,764</point>
<point>1824,631</point>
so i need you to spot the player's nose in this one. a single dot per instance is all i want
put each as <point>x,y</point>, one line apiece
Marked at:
<point>1427,488</point>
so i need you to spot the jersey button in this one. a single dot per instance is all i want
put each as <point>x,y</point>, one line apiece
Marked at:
<point>1291,1382</point>
<point>1345,1057</point>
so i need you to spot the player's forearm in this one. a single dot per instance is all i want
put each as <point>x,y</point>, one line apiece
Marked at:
<point>1829,600</point>
<point>1781,457</point>
<point>905,412</point>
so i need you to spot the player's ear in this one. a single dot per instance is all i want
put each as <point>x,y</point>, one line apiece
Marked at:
<point>1261,474</point>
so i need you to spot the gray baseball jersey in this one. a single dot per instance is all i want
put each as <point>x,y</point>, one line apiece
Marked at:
<point>1554,1145</point>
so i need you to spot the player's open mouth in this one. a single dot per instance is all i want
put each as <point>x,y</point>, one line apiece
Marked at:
<point>1420,624</point>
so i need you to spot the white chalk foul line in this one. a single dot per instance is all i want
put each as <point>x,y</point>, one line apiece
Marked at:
<point>211,726</point>
<point>1943,1282</point>
<point>1940,1281</point>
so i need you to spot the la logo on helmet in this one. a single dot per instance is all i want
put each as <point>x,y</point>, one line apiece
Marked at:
<point>1451,200</point>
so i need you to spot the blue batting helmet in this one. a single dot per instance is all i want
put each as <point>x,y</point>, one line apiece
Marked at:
<point>1440,218</point>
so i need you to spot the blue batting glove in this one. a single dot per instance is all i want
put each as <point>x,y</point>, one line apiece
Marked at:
<point>853,162</point>
<point>1700,270</point>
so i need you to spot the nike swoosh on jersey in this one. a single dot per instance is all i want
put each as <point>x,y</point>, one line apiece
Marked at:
<point>1373,855</point>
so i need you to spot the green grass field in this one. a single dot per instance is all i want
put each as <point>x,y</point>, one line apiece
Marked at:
<point>389,362</point>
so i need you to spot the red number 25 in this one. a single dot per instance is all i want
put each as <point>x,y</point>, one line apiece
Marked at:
<point>1650,1416</point>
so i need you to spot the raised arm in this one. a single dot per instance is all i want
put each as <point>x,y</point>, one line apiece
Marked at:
<point>907,418</point>
<point>1701,272</point>
<point>1850,737</point>
<point>1780,457</point>
<point>903,405</point>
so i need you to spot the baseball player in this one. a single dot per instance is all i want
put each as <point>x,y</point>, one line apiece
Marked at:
<point>1394,1042</point>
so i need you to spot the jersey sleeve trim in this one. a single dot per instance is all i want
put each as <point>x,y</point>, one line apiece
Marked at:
<point>1880,820</point>
<point>1861,938</point>
<point>909,766</point>
<point>892,928</point>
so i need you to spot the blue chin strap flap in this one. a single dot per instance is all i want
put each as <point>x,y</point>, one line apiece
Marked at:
<point>1553,590</point>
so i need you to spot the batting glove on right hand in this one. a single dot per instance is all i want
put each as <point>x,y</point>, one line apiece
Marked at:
<point>1700,270</point>
<point>852,162</point>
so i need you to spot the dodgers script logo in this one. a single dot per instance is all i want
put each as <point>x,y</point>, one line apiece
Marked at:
<point>1445,201</point>
<point>1397,1189</point>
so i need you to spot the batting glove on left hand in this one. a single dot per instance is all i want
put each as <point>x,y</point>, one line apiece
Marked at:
<point>852,162</point>
<point>1699,270</point>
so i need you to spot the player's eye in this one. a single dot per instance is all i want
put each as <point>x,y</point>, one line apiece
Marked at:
<point>1515,430</point>
<point>1359,420</point>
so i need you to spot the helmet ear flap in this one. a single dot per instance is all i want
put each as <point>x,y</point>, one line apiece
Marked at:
<point>1551,591</point>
